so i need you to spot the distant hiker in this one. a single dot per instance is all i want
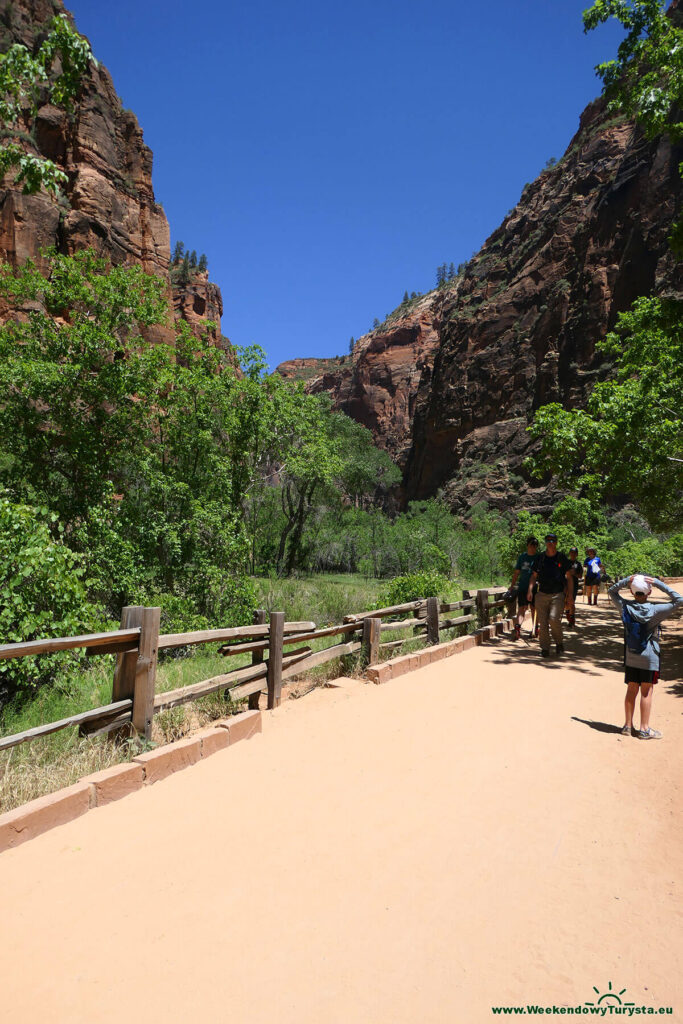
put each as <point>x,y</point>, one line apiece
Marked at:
<point>594,573</point>
<point>641,620</point>
<point>550,571</point>
<point>521,576</point>
<point>577,570</point>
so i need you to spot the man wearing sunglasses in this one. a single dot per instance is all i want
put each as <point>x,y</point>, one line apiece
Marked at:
<point>550,572</point>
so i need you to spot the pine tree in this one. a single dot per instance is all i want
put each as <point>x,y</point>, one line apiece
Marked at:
<point>451,271</point>
<point>406,297</point>
<point>440,275</point>
<point>351,344</point>
<point>178,253</point>
<point>203,263</point>
<point>184,275</point>
<point>375,324</point>
<point>193,259</point>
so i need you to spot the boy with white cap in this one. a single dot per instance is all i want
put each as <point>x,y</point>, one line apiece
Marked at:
<point>641,620</point>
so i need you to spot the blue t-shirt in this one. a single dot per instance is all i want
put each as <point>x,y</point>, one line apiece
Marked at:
<point>593,567</point>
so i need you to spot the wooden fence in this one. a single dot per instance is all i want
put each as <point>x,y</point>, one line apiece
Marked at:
<point>136,644</point>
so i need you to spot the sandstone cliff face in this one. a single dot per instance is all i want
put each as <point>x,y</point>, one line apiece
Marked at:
<point>450,387</point>
<point>109,202</point>
<point>378,386</point>
<point>199,303</point>
<point>520,329</point>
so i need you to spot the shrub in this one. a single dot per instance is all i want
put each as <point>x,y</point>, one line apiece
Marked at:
<point>411,587</point>
<point>650,556</point>
<point>42,594</point>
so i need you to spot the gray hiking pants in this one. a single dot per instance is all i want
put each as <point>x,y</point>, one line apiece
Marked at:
<point>549,608</point>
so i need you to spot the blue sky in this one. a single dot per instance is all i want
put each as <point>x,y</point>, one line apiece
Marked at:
<point>328,157</point>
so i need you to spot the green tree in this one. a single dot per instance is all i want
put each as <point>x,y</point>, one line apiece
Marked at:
<point>629,439</point>
<point>55,71</point>
<point>69,377</point>
<point>203,263</point>
<point>184,275</point>
<point>178,253</point>
<point>193,259</point>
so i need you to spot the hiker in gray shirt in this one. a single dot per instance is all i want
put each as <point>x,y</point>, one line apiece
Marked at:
<point>641,620</point>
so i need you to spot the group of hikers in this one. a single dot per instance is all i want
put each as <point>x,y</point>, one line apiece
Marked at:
<point>547,584</point>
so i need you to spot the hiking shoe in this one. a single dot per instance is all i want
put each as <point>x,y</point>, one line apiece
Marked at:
<point>559,649</point>
<point>518,632</point>
<point>546,654</point>
<point>627,730</point>
<point>648,734</point>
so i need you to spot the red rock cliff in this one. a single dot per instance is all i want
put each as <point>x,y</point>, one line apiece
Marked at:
<point>108,203</point>
<point>450,387</point>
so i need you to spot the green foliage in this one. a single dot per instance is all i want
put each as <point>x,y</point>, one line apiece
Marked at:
<point>136,448</point>
<point>650,556</point>
<point>56,70</point>
<point>628,439</point>
<point>646,79</point>
<point>42,594</point>
<point>412,587</point>
<point>67,357</point>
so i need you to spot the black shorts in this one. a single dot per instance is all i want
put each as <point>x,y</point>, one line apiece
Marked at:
<point>523,602</point>
<point>640,675</point>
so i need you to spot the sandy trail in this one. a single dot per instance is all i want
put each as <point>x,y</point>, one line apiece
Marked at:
<point>473,834</point>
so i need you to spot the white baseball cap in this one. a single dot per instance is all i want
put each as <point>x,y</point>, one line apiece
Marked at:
<point>639,585</point>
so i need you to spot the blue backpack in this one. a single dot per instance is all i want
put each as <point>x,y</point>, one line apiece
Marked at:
<point>636,634</point>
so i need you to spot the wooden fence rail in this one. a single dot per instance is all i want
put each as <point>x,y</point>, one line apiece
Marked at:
<point>138,642</point>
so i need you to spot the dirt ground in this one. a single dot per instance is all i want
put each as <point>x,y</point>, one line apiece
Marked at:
<point>475,834</point>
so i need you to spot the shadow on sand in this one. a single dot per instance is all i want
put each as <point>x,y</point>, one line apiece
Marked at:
<point>597,643</point>
<point>598,726</point>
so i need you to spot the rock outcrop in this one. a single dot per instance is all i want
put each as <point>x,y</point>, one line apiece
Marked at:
<point>449,386</point>
<point>200,304</point>
<point>108,204</point>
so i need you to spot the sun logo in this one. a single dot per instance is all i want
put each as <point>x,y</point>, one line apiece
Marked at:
<point>609,997</point>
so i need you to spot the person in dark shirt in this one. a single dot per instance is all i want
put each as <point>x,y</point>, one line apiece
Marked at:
<point>521,576</point>
<point>550,572</point>
<point>577,568</point>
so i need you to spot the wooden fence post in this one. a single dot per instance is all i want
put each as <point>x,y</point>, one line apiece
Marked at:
<point>260,616</point>
<point>432,620</point>
<point>483,607</point>
<point>124,670</point>
<point>370,641</point>
<point>146,672</point>
<point>275,638</point>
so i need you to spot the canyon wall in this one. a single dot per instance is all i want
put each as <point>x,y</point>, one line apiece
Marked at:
<point>449,383</point>
<point>108,204</point>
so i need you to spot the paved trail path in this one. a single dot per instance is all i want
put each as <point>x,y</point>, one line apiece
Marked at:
<point>473,834</point>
